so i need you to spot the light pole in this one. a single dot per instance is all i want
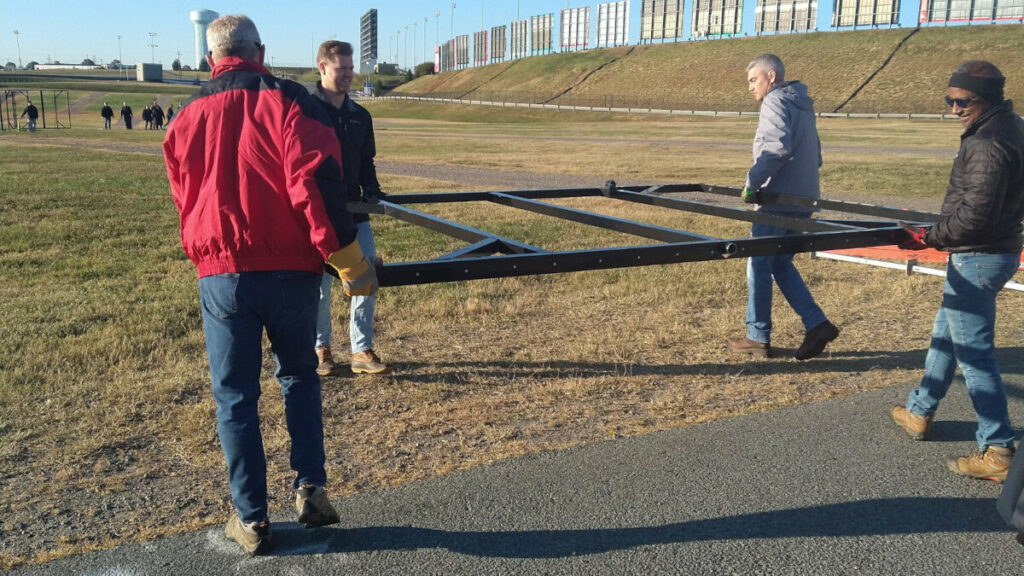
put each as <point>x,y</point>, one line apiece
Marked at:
<point>405,48</point>
<point>399,34</point>
<point>18,40</point>
<point>152,46</point>
<point>426,54</point>
<point>120,59</point>
<point>414,58</point>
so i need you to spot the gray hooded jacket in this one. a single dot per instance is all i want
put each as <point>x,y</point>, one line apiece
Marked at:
<point>787,152</point>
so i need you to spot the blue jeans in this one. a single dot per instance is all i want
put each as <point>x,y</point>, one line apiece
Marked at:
<point>761,270</point>
<point>963,336</point>
<point>236,309</point>
<point>360,326</point>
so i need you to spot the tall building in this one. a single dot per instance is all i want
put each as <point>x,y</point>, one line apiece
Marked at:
<point>368,41</point>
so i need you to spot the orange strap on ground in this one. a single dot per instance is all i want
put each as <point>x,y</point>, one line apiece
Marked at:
<point>893,252</point>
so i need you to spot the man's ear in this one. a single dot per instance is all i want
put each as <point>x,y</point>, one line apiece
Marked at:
<point>209,59</point>
<point>263,53</point>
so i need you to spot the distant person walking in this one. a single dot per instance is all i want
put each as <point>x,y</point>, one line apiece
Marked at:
<point>259,220</point>
<point>108,114</point>
<point>158,117</point>
<point>980,225</point>
<point>170,113</point>
<point>787,155</point>
<point>33,114</point>
<point>354,128</point>
<point>126,114</point>
<point>147,117</point>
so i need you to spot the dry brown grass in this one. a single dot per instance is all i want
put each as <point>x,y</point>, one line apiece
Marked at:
<point>108,431</point>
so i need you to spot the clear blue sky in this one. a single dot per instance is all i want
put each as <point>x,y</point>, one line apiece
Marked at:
<point>71,30</point>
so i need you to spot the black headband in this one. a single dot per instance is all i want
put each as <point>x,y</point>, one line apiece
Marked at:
<point>991,89</point>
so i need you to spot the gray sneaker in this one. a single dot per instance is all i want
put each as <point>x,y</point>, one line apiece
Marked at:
<point>254,537</point>
<point>314,507</point>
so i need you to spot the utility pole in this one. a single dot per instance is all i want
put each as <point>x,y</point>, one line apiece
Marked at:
<point>18,40</point>
<point>152,46</point>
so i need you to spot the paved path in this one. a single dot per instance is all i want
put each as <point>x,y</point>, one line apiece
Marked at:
<point>830,488</point>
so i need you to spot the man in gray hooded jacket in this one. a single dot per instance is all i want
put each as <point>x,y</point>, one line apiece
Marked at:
<point>787,155</point>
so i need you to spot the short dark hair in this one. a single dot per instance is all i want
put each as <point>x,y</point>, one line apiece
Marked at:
<point>979,69</point>
<point>332,48</point>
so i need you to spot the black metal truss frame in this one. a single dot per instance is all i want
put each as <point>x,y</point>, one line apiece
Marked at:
<point>488,255</point>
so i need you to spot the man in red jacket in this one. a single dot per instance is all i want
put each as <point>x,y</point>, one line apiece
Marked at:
<point>255,170</point>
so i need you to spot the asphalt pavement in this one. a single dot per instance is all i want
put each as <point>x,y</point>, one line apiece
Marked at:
<point>826,488</point>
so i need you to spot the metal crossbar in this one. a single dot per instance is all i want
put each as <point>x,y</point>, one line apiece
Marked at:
<point>490,255</point>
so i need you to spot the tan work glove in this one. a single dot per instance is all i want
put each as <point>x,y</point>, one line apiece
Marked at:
<point>358,278</point>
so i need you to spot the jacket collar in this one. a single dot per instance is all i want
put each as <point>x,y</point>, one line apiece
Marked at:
<point>1006,106</point>
<point>320,93</point>
<point>234,63</point>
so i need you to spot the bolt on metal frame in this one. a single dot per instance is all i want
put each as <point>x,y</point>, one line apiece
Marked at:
<point>489,255</point>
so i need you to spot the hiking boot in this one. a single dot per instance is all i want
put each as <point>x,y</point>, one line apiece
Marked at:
<point>991,464</point>
<point>745,345</point>
<point>314,507</point>
<point>326,367</point>
<point>254,537</point>
<point>367,362</point>
<point>916,426</point>
<point>816,339</point>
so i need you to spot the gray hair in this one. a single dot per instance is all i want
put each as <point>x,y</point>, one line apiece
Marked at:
<point>233,35</point>
<point>769,62</point>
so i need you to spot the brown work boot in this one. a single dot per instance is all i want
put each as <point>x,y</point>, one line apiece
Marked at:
<point>327,367</point>
<point>254,537</point>
<point>314,507</point>
<point>367,362</point>
<point>916,426</point>
<point>991,464</point>
<point>745,345</point>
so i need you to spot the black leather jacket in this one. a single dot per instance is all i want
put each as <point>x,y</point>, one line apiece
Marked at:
<point>354,128</point>
<point>984,206</point>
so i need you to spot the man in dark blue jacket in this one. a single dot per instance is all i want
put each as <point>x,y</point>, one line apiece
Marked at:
<point>981,226</point>
<point>354,128</point>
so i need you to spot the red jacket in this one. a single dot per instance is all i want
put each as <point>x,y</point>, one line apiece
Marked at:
<point>255,171</point>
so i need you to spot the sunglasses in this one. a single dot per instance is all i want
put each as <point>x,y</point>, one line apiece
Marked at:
<point>960,102</point>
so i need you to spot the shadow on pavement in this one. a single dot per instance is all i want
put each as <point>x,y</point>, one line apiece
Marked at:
<point>892,516</point>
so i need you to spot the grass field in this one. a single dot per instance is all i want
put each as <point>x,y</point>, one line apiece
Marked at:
<point>106,420</point>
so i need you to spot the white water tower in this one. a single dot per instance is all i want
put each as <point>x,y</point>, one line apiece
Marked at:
<point>201,19</point>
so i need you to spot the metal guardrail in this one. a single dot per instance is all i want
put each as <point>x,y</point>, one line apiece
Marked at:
<point>663,111</point>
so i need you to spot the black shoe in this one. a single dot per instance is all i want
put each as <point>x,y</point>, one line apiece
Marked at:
<point>816,339</point>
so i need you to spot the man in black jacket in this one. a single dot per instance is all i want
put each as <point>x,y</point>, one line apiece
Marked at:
<point>126,113</point>
<point>33,114</point>
<point>982,226</point>
<point>354,128</point>
<point>107,113</point>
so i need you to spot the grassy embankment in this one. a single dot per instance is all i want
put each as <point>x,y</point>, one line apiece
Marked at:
<point>104,396</point>
<point>709,75</point>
